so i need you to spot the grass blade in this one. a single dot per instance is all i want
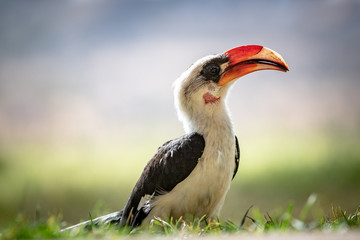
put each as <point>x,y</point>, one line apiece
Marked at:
<point>244,218</point>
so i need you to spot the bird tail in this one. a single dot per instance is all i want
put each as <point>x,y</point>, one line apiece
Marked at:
<point>112,218</point>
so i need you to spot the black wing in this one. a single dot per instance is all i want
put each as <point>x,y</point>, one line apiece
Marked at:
<point>237,156</point>
<point>172,163</point>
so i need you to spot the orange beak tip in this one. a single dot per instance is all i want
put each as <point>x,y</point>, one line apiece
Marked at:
<point>250,58</point>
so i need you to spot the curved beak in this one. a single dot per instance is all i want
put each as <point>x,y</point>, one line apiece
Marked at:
<point>251,58</point>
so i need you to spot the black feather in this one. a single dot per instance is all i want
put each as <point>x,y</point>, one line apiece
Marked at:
<point>172,163</point>
<point>237,156</point>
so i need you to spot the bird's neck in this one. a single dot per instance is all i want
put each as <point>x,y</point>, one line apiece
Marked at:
<point>212,122</point>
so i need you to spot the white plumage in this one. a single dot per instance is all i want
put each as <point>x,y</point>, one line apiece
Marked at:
<point>203,191</point>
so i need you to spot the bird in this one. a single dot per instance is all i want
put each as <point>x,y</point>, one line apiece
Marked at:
<point>190,176</point>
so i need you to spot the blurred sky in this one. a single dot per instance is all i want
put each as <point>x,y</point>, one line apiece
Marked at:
<point>86,67</point>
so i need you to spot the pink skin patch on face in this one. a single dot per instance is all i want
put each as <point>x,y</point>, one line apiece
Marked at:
<point>209,98</point>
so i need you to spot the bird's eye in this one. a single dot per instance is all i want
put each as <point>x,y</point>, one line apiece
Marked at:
<point>211,70</point>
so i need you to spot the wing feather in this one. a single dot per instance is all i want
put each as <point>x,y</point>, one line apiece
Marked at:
<point>171,164</point>
<point>237,156</point>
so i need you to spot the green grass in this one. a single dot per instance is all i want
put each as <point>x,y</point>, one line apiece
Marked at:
<point>253,221</point>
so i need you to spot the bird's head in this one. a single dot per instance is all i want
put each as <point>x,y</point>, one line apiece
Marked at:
<point>201,90</point>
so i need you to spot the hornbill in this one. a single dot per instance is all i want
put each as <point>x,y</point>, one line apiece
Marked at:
<point>191,175</point>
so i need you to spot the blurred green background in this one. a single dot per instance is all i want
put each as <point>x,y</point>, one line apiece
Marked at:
<point>86,99</point>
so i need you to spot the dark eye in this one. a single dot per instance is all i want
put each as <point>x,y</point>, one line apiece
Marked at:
<point>211,70</point>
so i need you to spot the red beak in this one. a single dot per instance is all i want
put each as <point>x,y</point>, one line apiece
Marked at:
<point>251,58</point>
